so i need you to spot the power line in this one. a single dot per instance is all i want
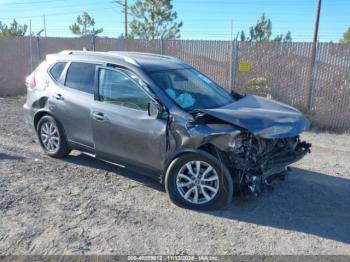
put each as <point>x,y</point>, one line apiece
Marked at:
<point>56,14</point>
<point>125,6</point>
<point>33,2</point>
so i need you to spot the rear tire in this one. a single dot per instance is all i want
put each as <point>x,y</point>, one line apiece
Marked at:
<point>210,188</point>
<point>51,137</point>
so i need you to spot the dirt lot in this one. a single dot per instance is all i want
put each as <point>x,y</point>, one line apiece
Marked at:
<point>50,206</point>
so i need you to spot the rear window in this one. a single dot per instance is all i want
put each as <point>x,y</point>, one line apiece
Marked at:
<point>57,70</point>
<point>80,76</point>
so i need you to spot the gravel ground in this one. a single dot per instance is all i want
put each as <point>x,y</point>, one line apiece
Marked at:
<point>81,205</point>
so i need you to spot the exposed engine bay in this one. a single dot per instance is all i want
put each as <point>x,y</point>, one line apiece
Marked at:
<point>258,161</point>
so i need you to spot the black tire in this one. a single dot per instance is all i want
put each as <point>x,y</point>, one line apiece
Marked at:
<point>62,148</point>
<point>224,195</point>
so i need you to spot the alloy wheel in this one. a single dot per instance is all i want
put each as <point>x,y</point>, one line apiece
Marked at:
<point>50,137</point>
<point>197,182</point>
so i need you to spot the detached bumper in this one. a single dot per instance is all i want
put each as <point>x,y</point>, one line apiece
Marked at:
<point>277,163</point>
<point>272,162</point>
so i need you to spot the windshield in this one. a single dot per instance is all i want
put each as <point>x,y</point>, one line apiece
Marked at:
<point>190,89</point>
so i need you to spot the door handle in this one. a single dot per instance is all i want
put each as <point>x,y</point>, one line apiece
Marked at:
<point>59,97</point>
<point>99,116</point>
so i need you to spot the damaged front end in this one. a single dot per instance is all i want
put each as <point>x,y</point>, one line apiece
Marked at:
<point>266,144</point>
<point>258,161</point>
<point>255,138</point>
<point>253,161</point>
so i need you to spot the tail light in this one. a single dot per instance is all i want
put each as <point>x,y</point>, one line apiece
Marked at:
<point>30,81</point>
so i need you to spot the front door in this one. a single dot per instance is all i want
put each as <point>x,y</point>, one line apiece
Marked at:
<point>123,131</point>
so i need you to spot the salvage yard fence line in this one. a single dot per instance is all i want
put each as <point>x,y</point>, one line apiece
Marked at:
<point>278,70</point>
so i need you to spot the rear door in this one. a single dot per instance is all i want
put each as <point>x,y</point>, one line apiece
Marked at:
<point>72,99</point>
<point>123,130</point>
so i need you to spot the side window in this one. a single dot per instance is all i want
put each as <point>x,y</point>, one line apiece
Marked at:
<point>80,76</point>
<point>57,70</point>
<point>118,88</point>
<point>138,80</point>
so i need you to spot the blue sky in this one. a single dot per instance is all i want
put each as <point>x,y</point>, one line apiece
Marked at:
<point>203,19</point>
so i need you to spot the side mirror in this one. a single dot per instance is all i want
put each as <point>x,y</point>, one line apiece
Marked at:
<point>236,95</point>
<point>154,109</point>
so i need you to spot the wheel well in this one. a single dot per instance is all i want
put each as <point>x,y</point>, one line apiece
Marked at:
<point>38,116</point>
<point>208,148</point>
<point>211,149</point>
<point>41,114</point>
<point>216,152</point>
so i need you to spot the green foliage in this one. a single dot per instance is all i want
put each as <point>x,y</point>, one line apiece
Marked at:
<point>154,19</point>
<point>346,37</point>
<point>258,86</point>
<point>84,26</point>
<point>243,38</point>
<point>262,31</point>
<point>14,29</point>
<point>122,36</point>
<point>283,38</point>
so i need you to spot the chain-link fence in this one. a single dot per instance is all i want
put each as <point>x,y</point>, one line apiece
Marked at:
<point>278,70</point>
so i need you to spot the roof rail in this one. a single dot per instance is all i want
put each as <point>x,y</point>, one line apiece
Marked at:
<point>70,52</point>
<point>156,55</point>
<point>126,58</point>
<point>66,52</point>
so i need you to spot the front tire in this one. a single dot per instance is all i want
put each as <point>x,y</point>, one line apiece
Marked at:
<point>51,137</point>
<point>199,181</point>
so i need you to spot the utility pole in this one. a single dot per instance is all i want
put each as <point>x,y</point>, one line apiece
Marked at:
<point>313,58</point>
<point>44,21</point>
<point>125,6</point>
<point>126,18</point>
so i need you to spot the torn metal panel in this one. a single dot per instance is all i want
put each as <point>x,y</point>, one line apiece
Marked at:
<point>187,133</point>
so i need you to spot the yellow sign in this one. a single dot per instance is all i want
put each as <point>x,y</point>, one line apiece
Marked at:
<point>244,67</point>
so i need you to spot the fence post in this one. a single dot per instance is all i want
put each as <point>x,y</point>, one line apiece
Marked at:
<point>233,63</point>
<point>312,76</point>
<point>161,46</point>
<point>30,46</point>
<point>39,52</point>
<point>93,42</point>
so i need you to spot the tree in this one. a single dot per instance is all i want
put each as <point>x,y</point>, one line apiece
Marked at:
<point>14,29</point>
<point>243,38</point>
<point>154,19</point>
<point>85,26</point>
<point>262,31</point>
<point>346,37</point>
<point>283,38</point>
<point>122,36</point>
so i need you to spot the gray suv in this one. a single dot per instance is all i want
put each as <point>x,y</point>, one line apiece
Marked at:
<point>161,117</point>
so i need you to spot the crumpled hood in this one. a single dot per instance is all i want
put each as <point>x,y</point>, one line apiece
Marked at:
<point>263,117</point>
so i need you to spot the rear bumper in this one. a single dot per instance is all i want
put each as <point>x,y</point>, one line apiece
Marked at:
<point>28,115</point>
